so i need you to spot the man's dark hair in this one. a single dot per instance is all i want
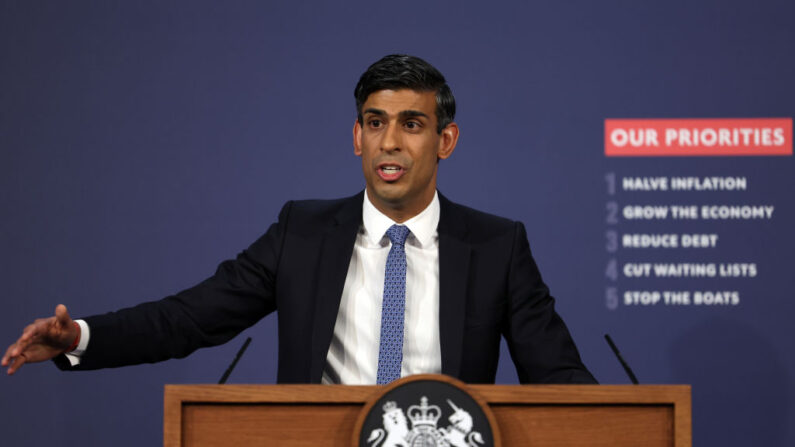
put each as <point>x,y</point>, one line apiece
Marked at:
<point>400,71</point>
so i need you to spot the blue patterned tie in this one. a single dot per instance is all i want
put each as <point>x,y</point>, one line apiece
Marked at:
<point>390,353</point>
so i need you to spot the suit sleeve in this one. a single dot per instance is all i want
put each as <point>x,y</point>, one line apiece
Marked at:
<point>240,293</point>
<point>539,342</point>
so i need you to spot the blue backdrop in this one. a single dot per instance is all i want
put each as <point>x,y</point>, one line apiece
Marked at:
<point>141,143</point>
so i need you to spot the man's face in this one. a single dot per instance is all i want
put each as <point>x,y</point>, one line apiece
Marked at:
<point>400,149</point>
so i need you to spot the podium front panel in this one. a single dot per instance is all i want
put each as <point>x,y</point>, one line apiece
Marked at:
<point>527,415</point>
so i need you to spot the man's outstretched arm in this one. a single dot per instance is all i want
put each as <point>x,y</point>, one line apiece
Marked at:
<point>44,339</point>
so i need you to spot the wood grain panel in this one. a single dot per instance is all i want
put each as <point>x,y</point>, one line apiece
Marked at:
<point>272,425</point>
<point>572,426</point>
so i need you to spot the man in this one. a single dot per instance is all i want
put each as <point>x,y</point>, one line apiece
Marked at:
<point>394,281</point>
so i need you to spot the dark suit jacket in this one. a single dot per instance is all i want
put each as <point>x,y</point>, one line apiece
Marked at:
<point>489,286</point>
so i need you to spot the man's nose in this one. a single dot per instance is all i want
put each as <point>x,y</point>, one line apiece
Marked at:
<point>391,141</point>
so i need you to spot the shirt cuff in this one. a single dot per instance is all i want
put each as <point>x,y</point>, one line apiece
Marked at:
<point>85,334</point>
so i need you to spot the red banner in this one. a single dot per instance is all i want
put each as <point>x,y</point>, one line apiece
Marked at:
<point>698,136</point>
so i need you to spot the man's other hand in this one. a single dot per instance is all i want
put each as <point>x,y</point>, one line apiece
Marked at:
<point>42,340</point>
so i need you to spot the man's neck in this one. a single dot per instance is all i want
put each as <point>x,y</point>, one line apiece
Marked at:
<point>401,213</point>
<point>423,226</point>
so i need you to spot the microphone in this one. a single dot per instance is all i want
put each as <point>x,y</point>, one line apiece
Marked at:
<point>234,362</point>
<point>621,359</point>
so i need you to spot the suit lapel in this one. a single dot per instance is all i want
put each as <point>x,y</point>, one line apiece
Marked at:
<point>454,254</point>
<point>334,257</point>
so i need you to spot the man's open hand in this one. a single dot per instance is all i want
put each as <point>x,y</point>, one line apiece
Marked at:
<point>41,340</point>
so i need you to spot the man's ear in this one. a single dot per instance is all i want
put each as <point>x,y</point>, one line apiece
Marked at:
<point>357,138</point>
<point>448,140</point>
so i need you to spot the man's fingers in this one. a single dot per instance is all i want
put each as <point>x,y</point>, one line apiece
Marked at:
<point>32,332</point>
<point>7,355</point>
<point>19,347</point>
<point>11,357</point>
<point>16,364</point>
<point>41,340</point>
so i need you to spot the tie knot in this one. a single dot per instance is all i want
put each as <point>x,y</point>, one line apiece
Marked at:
<point>398,234</point>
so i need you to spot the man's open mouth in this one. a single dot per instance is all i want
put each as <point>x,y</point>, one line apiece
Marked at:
<point>390,173</point>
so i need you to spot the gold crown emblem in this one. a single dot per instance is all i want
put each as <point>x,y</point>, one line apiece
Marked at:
<point>424,414</point>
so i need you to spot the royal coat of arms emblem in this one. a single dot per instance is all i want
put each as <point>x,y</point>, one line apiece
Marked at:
<point>424,432</point>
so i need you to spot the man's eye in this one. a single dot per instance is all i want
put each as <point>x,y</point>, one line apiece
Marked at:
<point>375,123</point>
<point>412,125</point>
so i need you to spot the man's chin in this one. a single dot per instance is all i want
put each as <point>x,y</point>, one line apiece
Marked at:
<point>391,194</point>
<point>392,199</point>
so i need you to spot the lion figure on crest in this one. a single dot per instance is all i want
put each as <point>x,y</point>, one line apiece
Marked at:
<point>396,426</point>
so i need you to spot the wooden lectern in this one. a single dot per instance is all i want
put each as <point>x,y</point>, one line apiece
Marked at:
<point>526,415</point>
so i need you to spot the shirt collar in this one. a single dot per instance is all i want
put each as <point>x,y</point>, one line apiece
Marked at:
<point>422,226</point>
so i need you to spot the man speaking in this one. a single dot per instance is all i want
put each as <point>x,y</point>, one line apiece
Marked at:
<point>394,281</point>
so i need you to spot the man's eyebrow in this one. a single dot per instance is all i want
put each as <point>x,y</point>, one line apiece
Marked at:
<point>402,114</point>
<point>374,111</point>
<point>412,113</point>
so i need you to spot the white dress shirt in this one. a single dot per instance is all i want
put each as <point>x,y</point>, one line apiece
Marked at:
<point>353,355</point>
<point>352,358</point>
<point>85,334</point>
